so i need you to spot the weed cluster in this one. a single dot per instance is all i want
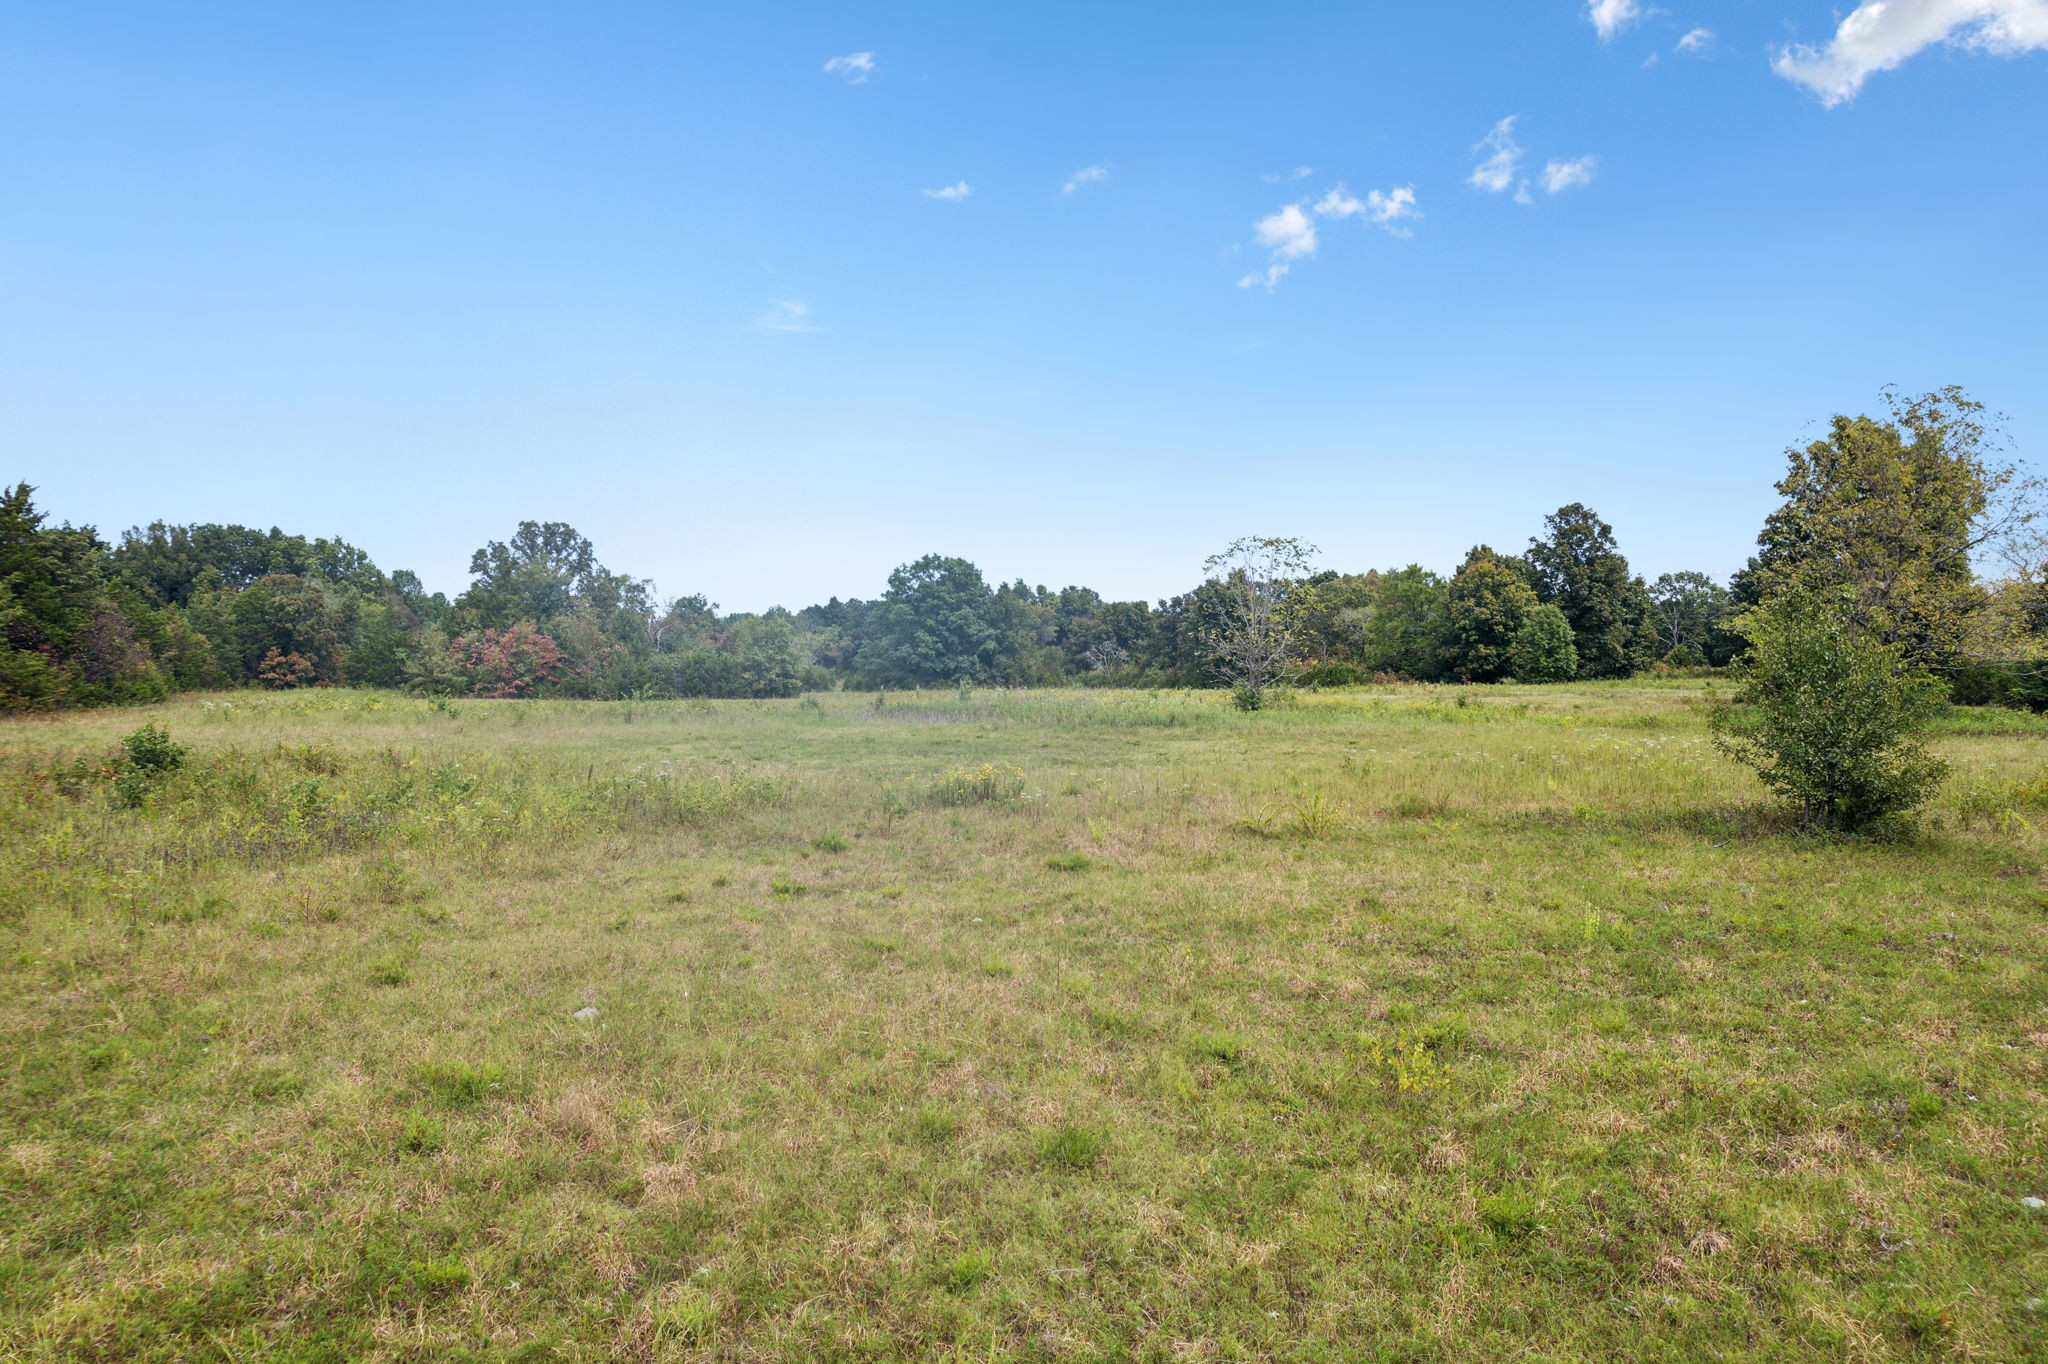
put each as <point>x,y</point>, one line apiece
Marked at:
<point>984,784</point>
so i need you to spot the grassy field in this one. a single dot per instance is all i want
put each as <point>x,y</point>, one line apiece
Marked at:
<point>1477,1024</point>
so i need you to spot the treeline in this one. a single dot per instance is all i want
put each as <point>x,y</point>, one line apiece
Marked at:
<point>1890,512</point>
<point>173,608</point>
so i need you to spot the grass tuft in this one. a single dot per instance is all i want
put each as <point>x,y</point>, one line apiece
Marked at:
<point>1072,1147</point>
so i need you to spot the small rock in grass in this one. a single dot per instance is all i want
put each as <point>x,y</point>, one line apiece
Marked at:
<point>2031,1202</point>
<point>585,1012</point>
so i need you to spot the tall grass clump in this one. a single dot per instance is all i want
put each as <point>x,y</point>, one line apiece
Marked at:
<point>984,784</point>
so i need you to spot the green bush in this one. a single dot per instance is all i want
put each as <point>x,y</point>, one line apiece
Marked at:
<point>1831,719</point>
<point>151,749</point>
<point>147,756</point>
<point>1543,649</point>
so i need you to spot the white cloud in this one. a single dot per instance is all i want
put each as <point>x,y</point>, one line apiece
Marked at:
<point>1879,35</point>
<point>1522,195</point>
<point>1287,233</point>
<point>1563,175</point>
<point>1090,176</point>
<point>1290,234</point>
<point>952,193</point>
<point>1503,158</point>
<point>787,315</point>
<point>1391,209</point>
<point>1298,173</point>
<point>1696,42</point>
<point>855,66</point>
<point>1610,17</point>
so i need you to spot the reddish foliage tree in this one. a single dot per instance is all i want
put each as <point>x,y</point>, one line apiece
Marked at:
<point>516,661</point>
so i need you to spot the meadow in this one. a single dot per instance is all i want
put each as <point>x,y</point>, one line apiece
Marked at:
<point>1393,1024</point>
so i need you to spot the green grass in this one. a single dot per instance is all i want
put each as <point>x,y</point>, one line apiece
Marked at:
<point>1407,1023</point>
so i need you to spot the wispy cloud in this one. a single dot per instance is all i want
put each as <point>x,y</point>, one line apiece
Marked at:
<point>1392,209</point>
<point>787,315</point>
<point>1879,35</point>
<point>1290,234</point>
<point>1081,179</point>
<point>855,66</point>
<point>1267,277</point>
<point>1298,173</point>
<point>952,193</point>
<point>1697,42</point>
<point>1610,17</point>
<point>1503,158</point>
<point>1559,176</point>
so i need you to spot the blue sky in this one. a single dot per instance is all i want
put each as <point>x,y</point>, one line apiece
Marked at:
<point>410,273</point>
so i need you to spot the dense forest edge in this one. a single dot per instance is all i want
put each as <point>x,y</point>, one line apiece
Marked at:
<point>1913,519</point>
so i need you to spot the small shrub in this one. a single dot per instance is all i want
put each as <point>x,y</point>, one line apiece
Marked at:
<point>1072,1147</point>
<point>786,888</point>
<point>1070,861</point>
<point>151,749</point>
<point>147,756</point>
<point>987,784</point>
<point>830,843</point>
<point>1830,718</point>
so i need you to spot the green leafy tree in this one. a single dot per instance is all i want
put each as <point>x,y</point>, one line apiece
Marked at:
<point>1831,718</point>
<point>935,626</point>
<point>1544,651</point>
<point>1335,621</point>
<point>1486,605</point>
<point>378,646</point>
<point>167,563</point>
<point>1692,611</point>
<point>1576,567</point>
<point>1888,516</point>
<point>1405,631</point>
<point>280,631</point>
<point>536,575</point>
<point>769,652</point>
